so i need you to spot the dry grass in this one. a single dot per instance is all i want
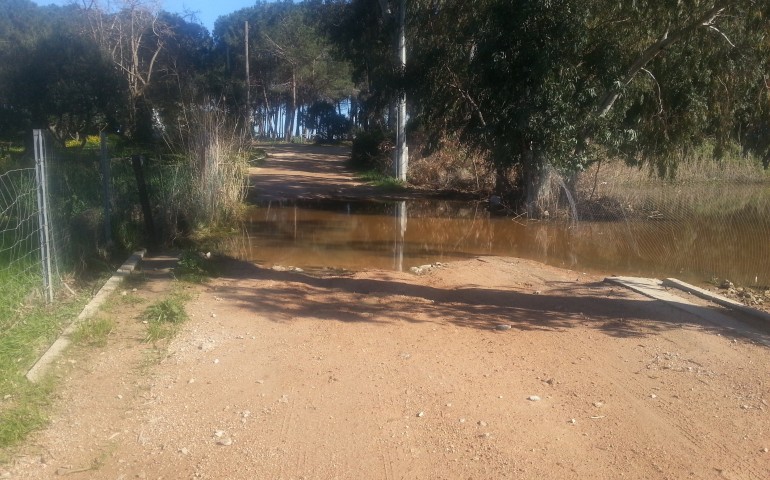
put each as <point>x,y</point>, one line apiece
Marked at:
<point>209,187</point>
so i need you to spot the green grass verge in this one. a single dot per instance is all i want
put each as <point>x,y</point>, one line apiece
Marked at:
<point>23,405</point>
<point>381,180</point>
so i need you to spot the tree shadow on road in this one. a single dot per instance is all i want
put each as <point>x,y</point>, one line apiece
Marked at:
<point>388,297</point>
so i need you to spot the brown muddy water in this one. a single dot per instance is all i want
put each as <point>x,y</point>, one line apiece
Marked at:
<point>400,235</point>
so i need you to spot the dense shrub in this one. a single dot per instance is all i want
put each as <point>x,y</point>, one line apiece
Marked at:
<point>371,150</point>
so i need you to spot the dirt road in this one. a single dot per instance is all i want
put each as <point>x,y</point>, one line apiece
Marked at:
<point>486,368</point>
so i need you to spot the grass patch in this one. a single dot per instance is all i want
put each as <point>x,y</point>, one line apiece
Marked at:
<point>194,267</point>
<point>164,318</point>
<point>23,405</point>
<point>94,332</point>
<point>24,412</point>
<point>381,180</point>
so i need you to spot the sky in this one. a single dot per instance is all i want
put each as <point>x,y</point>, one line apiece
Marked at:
<point>207,11</point>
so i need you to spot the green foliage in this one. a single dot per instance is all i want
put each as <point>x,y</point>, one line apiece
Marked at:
<point>566,81</point>
<point>195,267</point>
<point>371,150</point>
<point>330,125</point>
<point>164,318</point>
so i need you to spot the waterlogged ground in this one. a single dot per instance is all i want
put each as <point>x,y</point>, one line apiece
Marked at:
<point>489,367</point>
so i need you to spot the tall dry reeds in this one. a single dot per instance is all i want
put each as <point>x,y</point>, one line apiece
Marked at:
<point>210,182</point>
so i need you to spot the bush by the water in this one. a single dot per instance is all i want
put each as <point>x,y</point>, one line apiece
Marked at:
<point>371,150</point>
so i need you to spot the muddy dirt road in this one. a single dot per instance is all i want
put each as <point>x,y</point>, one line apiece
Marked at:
<point>486,368</point>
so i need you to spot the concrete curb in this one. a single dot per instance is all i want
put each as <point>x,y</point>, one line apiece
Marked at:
<point>655,289</point>
<point>716,298</point>
<point>38,369</point>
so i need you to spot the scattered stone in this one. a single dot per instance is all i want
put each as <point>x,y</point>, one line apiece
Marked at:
<point>533,398</point>
<point>216,360</point>
<point>120,397</point>
<point>7,396</point>
<point>502,327</point>
<point>260,382</point>
<point>184,451</point>
<point>572,421</point>
<point>220,433</point>
<point>192,380</point>
<point>462,420</point>
<point>482,423</point>
<point>245,414</point>
<point>598,404</point>
<point>745,407</point>
<point>485,435</point>
<point>213,315</point>
<point>765,450</point>
<point>279,268</point>
<point>726,284</point>
<point>421,414</point>
<point>226,441</point>
<point>653,396</point>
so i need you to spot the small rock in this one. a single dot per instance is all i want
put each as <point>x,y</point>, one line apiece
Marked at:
<point>462,420</point>
<point>421,414</point>
<point>213,315</point>
<point>745,407</point>
<point>502,327</point>
<point>726,284</point>
<point>220,433</point>
<point>279,268</point>
<point>184,451</point>
<point>192,380</point>
<point>652,395</point>
<point>216,360</point>
<point>598,404</point>
<point>120,397</point>
<point>533,398</point>
<point>245,414</point>
<point>7,396</point>
<point>572,421</point>
<point>765,450</point>
<point>226,441</point>
<point>482,423</point>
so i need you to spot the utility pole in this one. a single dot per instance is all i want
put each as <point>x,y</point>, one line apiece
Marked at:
<point>248,82</point>
<point>401,160</point>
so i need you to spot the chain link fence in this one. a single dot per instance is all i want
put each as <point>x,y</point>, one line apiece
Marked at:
<point>72,209</point>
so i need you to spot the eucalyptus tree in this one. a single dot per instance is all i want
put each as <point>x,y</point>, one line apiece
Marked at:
<point>566,82</point>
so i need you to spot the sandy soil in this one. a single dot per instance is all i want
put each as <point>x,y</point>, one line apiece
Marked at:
<point>485,368</point>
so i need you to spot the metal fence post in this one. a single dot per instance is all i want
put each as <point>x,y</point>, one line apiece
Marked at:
<point>104,162</point>
<point>42,203</point>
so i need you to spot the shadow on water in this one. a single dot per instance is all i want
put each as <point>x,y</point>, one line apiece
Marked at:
<point>398,235</point>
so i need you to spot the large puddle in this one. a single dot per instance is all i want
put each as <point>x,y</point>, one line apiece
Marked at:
<point>356,235</point>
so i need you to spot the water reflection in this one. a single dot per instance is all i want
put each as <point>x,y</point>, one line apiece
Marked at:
<point>375,235</point>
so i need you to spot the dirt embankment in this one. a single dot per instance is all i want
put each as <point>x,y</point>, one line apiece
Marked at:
<point>485,368</point>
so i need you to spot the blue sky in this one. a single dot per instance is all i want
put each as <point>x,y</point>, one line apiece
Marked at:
<point>207,11</point>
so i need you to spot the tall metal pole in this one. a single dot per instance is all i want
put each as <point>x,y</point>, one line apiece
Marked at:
<point>248,82</point>
<point>43,217</point>
<point>402,150</point>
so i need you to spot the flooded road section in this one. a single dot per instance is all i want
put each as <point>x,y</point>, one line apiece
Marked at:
<point>400,235</point>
